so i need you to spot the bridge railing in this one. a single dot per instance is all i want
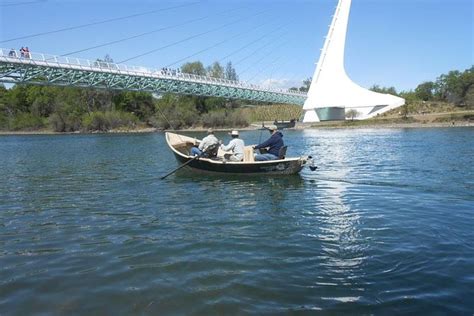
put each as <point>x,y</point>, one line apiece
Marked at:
<point>86,64</point>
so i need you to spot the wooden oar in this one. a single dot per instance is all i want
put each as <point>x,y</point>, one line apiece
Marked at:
<point>183,165</point>
<point>209,149</point>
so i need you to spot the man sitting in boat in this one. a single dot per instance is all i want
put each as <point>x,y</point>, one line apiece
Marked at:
<point>205,144</point>
<point>236,146</point>
<point>274,143</point>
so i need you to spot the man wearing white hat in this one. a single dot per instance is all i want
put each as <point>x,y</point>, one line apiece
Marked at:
<point>274,143</point>
<point>236,146</point>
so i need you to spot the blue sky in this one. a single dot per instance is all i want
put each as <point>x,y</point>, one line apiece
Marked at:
<point>398,43</point>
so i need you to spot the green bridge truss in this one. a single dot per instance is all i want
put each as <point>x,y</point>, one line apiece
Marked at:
<point>42,69</point>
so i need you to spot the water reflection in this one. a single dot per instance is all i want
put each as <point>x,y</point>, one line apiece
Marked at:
<point>339,214</point>
<point>283,180</point>
<point>243,190</point>
<point>340,230</point>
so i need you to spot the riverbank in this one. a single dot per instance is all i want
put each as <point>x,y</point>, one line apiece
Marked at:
<point>51,132</point>
<point>430,120</point>
<point>255,126</point>
<point>388,124</point>
<point>422,120</point>
<point>392,125</point>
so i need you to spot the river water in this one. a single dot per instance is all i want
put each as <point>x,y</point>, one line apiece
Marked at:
<point>385,225</point>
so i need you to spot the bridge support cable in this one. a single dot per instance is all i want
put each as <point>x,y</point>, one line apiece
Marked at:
<point>263,69</point>
<point>293,76</point>
<point>228,39</point>
<point>252,42</point>
<point>269,50</point>
<point>271,65</point>
<point>217,44</point>
<point>191,37</point>
<point>98,22</point>
<point>252,54</point>
<point>256,51</point>
<point>20,3</point>
<point>165,28</point>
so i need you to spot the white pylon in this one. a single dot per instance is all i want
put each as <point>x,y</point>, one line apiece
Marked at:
<point>332,93</point>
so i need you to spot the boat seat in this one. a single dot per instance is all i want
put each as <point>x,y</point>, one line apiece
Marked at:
<point>282,152</point>
<point>212,150</point>
<point>248,154</point>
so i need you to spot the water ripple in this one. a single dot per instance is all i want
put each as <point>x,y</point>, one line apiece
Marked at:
<point>383,226</point>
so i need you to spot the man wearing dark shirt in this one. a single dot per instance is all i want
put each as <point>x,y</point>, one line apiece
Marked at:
<point>274,143</point>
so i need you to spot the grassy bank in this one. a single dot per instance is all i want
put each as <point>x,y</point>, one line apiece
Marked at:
<point>419,114</point>
<point>271,113</point>
<point>460,118</point>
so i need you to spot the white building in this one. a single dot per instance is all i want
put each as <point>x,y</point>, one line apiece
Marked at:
<point>332,92</point>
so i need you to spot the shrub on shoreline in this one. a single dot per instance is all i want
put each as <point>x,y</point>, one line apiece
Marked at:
<point>224,119</point>
<point>175,113</point>
<point>61,122</point>
<point>23,121</point>
<point>104,121</point>
<point>273,112</point>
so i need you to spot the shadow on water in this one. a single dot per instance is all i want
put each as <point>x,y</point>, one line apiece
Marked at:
<point>287,181</point>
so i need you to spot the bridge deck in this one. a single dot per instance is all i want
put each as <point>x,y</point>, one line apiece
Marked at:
<point>43,69</point>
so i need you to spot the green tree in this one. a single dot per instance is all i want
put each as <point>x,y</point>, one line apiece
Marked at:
<point>447,85</point>
<point>4,110</point>
<point>230,73</point>
<point>385,90</point>
<point>409,96</point>
<point>215,70</point>
<point>424,91</point>
<point>213,103</point>
<point>69,106</point>
<point>139,103</point>
<point>467,87</point>
<point>352,113</point>
<point>175,112</point>
<point>195,68</point>
<point>108,59</point>
<point>306,85</point>
<point>454,86</point>
<point>106,62</point>
<point>41,99</point>
<point>97,99</point>
<point>469,98</point>
<point>17,99</point>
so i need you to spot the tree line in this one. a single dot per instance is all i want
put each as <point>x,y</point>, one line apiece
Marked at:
<point>69,109</point>
<point>456,87</point>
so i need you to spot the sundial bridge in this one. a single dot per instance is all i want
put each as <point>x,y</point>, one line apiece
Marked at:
<point>331,95</point>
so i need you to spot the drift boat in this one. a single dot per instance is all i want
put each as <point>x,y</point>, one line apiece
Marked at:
<point>181,145</point>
